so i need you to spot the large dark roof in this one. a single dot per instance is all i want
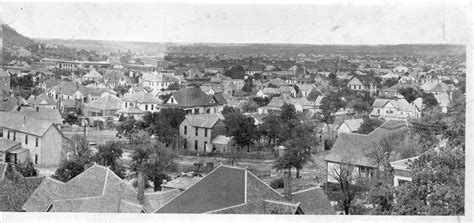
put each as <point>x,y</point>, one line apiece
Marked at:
<point>353,147</point>
<point>313,201</point>
<point>233,190</point>
<point>194,96</point>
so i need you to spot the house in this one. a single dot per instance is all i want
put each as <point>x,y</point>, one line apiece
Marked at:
<point>134,112</point>
<point>93,75</point>
<point>194,100</point>
<point>289,90</point>
<point>103,109</point>
<point>158,81</point>
<point>401,171</point>
<point>301,105</point>
<point>254,68</point>
<point>4,83</point>
<point>444,101</point>
<point>96,190</point>
<point>234,190</point>
<point>200,130</point>
<point>305,89</point>
<point>144,101</point>
<point>41,101</point>
<point>362,83</point>
<point>394,109</point>
<point>93,94</point>
<point>353,148</point>
<point>115,78</point>
<point>400,69</point>
<point>41,141</point>
<point>40,113</point>
<point>437,88</point>
<point>393,90</point>
<point>221,143</point>
<point>16,189</point>
<point>66,90</point>
<point>182,182</point>
<point>349,126</point>
<point>268,92</point>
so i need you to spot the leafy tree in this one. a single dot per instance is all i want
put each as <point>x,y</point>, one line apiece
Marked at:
<point>153,161</point>
<point>271,128</point>
<point>297,89</point>
<point>437,186</point>
<point>71,119</point>
<point>381,193</point>
<point>390,82</point>
<point>164,124</point>
<point>121,90</point>
<point>270,85</point>
<point>78,149</point>
<point>262,101</point>
<point>248,86</point>
<point>332,77</point>
<point>227,110</point>
<point>368,125</point>
<point>329,105</point>
<point>313,95</point>
<point>236,72</point>
<point>68,170</point>
<point>361,107</point>
<point>409,94</point>
<point>429,100</point>
<point>110,155</point>
<point>249,106</point>
<point>27,169</point>
<point>173,87</point>
<point>288,112</point>
<point>241,128</point>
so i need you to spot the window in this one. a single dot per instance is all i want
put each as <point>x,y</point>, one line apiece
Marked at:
<point>36,159</point>
<point>8,135</point>
<point>26,139</point>
<point>205,146</point>
<point>151,107</point>
<point>14,136</point>
<point>195,145</point>
<point>185,144</point>
<point>37,142</point>
<point>146,107</point>
<point>185,129</point>
<point>126,104</point>
<point>205,132</point>
<point>1,133</point>
<point>196,131</point>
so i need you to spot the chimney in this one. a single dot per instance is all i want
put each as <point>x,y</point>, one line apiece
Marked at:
<point>141,188</point>
<point>287,184</point>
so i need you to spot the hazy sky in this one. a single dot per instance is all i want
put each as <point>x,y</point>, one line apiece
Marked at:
<point>314,24</point>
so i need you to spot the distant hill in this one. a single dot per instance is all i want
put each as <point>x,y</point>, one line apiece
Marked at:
<point>12,38</point>
<point>109,46</point>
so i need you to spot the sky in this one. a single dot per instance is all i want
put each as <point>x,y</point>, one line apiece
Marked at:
<point>238,23</point>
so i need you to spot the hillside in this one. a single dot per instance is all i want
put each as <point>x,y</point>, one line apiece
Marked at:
<point>12,38</point>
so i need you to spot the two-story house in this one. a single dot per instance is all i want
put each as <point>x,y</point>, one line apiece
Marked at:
<point>41,141</point>
<point>194,100</point>
<point>394,109</point>
<point>142,100</point>
<point>158,81</point>
<point>363,83</point>
<point>200,130</point>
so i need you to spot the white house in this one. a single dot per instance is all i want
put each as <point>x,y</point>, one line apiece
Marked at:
<point>394,109</point>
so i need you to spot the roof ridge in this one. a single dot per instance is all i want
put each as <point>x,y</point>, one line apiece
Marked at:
<point>221,209</point>
<point>305,190</point>
<point>161,192</point>
<point>285,202</point>
<point>263,183</point>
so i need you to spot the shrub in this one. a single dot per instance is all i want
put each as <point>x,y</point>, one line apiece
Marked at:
<point>277,183</point>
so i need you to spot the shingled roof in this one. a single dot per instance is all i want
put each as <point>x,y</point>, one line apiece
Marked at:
<point>314,201</point>
<point>24,123</point>
<point>109,102</point>
<point>41,99</point>
<point>353,147</point>
<point>231,190</point>
<point>194,96</point>
<point>204,120</point>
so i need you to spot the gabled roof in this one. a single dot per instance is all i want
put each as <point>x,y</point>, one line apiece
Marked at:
<point>41,99</point>
<point>193,96</point>
<point>5,145</point>
<point>279,101</point>
<point>93,74</point>
<point>353,147</point>
<point>400,104</point>
<point>39,113</point>
<point>97,189</point>
<point>314,201</point>
<point>156,200</point>
<point>352,124</point>
<point>365,79</point>
<point>15,187</point>
<point>108,102</point>
<point>141,97</point>
<point>204,120</point>
<point>130,110</point>
<point>24,123</point>
<point>182,182</point>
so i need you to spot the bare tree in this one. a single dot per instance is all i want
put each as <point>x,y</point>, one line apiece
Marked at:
<point>344,175</point>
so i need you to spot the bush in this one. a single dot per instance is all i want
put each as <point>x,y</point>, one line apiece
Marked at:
<point>277,183</point>
<point>27,169</point>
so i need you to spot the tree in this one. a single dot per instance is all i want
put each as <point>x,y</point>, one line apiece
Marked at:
<point>227,110</point>
<point>437,186</point>
<point>110,155</point>
<point>121,90</point>
<point>368,125</point>
<point>343,174</point>
<point>78,149</point>
<point>429,100</point>
<point>390,82</point>
<point>288,112</point>
<point>263,101</point>
<point>71,119</point>
<point>27,169</point>
<point>271,128</point>
<point>153,161</point>
<point>329,105</point>
<point>361,107</point>
<point>249,106</point>
<point>173,87</point>
<point>313,95</point>
<point>248,86</point>
<point>126,127</point>
<point>241,128</point>
<point>68,170</point>
<point>332,77</point>
<point>164,124</point>
<point>409,94</point>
